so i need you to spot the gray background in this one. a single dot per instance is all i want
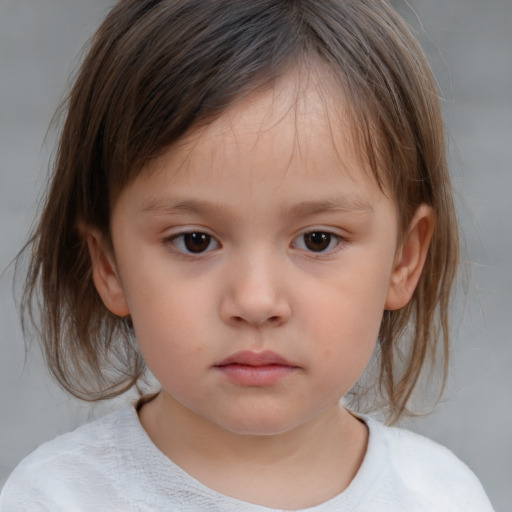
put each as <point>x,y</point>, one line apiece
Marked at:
<point>469,43</point>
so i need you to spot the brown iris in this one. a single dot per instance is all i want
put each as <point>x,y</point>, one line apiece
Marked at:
<point>317,241</point>
<point>196,242</point>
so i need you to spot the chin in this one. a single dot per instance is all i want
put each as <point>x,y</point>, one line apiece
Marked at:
<point>259,425</point>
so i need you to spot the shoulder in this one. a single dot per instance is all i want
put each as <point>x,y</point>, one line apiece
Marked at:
<point>431,473</point>
<point>87,445</point>
<point>58,471</point>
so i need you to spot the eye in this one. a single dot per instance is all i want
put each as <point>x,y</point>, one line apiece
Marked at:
<point>194,242</point>
<point>317,241</point>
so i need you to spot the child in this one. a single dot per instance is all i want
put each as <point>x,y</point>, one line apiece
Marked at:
<point>251,198</point>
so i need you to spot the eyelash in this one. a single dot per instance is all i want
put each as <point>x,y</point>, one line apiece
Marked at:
<point>179,242</point>
<point>179,239</point>
<point>333,241</point>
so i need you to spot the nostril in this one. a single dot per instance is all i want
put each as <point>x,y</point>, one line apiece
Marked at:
<point>253,310</point>
<point>270,320</point>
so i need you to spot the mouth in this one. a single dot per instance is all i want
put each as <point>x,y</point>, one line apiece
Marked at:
<point>256,369</point>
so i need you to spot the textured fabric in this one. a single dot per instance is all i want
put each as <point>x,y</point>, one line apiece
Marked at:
<point>112,465</point>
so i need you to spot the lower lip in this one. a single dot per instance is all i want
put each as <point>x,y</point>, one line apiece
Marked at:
<point>258,376</point>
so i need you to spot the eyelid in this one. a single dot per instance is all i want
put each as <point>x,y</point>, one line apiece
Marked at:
<point>340,241</point>
<point>171,239</point>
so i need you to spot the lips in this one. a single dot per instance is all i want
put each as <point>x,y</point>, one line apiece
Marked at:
<point>258,369</point>
<point>249,358</point>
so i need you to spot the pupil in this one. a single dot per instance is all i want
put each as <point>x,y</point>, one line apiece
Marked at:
<point>197,242</point>
<point>317,241</point>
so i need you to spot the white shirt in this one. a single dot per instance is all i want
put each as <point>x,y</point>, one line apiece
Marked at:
<point>112,465</point>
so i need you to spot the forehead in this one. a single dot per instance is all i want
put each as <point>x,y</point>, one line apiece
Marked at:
<point>292,143</point>
<point>302,121</point>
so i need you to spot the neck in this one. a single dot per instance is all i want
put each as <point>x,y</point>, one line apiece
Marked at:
<point>299,468</point>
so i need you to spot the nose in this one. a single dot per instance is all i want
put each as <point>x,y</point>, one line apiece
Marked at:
<point>255,294</point>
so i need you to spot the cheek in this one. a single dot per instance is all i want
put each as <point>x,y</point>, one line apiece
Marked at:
<point>350,308</point>
<point>350,331</point>
<point>169,322</point>
<point>343,319</point>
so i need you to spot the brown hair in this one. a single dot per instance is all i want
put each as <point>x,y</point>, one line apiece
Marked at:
<point>156,69</point>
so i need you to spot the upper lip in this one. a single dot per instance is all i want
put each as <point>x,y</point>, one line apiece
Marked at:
<point>251,358</point>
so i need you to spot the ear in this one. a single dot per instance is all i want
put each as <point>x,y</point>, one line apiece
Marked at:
<point>104,273</point>
<point>410,259</point>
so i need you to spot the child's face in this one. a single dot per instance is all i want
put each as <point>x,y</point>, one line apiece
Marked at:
<point>292,257</point>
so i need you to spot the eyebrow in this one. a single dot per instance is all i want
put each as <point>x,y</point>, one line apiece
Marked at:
<point>338,203</point>
<point>182,206</point>
<point>302,209</point>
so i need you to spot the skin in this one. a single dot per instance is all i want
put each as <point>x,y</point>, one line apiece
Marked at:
<point>257,181</point>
